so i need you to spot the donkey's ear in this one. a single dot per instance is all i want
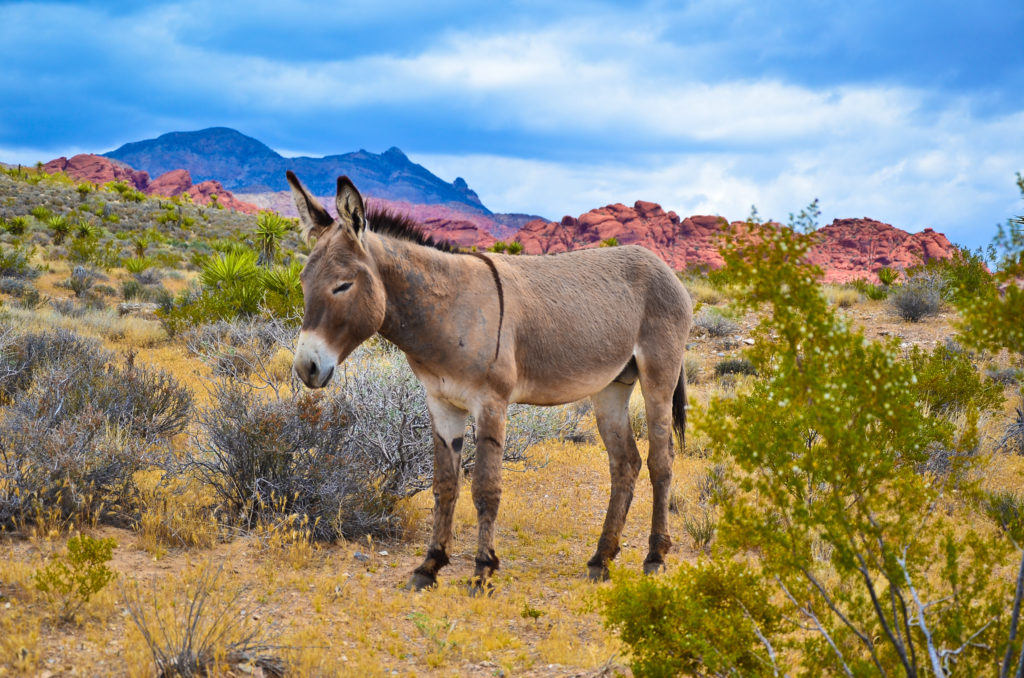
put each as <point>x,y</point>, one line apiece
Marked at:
<point>312,215</point>
<point>350,206</point>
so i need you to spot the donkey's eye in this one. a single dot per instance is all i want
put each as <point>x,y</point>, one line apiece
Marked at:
<point>341,288</point>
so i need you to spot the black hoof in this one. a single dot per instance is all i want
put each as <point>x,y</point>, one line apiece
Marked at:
<point>598,573</point>
<point>653,566</point>
<point>420,581</point>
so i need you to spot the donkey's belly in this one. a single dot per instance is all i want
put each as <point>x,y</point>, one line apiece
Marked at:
<point>556,389</point>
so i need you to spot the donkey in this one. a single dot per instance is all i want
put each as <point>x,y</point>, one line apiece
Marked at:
<point>481,331</point>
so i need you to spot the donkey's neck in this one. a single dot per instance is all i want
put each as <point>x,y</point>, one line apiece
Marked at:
<point>419,283</point>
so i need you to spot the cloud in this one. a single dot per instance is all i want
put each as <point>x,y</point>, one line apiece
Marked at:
<point>702,106</point>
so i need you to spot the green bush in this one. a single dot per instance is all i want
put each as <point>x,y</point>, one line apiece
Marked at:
<point>705,619</point>
<point>70,580</point>
<point>949,381</point>
<point>840,527</point>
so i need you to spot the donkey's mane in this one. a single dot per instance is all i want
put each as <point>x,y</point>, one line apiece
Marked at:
<point>384,221</point>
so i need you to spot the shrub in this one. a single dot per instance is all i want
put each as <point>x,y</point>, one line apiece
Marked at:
<point>948,380</point>
<point>712,321</point>
<point>873,292</point>
<point>82,424</point>
<point>887,276</point>
<point>70,580</point>
<point>81,281</point>
<point>706,619</point>
<point>920,296</point>
<point>14,262</point>
<point>735,366</point>
<point>1012,440</point>
<point>202,631</point>
<point>842,536</point>
<point>137,265</point>
<point>41,213</point>
<point>16,225</point>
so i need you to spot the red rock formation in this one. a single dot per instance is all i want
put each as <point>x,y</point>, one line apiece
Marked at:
<point>204,191</point>
<point>858,248</point>
<point>170,183</point>
<point>98,170</point>
<point>847,249</point>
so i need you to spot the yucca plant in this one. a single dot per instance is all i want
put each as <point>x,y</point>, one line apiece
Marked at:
<point>271,228</point>
<point>86,229</point>
<point>60,226</point>
<point>284,289</point>
<point>136,265</point>
<point>233,267</point>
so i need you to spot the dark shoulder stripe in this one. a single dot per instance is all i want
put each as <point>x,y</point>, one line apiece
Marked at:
<point>501,297</point>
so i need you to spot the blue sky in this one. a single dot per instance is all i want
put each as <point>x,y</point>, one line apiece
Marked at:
<point>908,112</point>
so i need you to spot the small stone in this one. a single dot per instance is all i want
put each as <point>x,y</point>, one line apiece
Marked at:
<point>748,341</point>
<point>382,553</point>
<point>359,555</point>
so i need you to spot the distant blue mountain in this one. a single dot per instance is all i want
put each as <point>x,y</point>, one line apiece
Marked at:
<point>245,165</point>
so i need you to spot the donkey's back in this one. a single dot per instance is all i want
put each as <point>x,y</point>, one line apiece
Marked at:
<point>577,320</point>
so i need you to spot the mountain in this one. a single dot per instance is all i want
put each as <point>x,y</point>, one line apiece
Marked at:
<point>245,165</point>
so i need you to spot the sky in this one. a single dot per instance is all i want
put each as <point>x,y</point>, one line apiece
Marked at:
<point>907,112</point>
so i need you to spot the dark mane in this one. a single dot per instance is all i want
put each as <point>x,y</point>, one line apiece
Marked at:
<point>384,221</point>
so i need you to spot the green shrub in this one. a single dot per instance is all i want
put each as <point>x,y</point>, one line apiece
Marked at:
<point>41,213</point>
<point>609,242</point>
<point>840,528</point>
<point>735,366</point>
<point>70,580</point>
<point>16,225</point>
<point>14,261</point>
<point>949,381</point>
<point>137,264</point>
<point>705,619</point>
<point>887,276</point>
<point>61,228</point>
<point>873,292</point>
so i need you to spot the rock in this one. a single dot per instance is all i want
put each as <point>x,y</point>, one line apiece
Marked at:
<point>204,191</point>
<point>138,309</point>
<point>170,183</point>
<point>847,249</point>
<point>98,170</point>
<point>360,556</point>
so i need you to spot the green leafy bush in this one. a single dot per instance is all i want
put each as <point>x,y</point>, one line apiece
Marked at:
<point>70,580</point>
<point>705,619</point>
<point>949,381</point>
<point>840,526</point>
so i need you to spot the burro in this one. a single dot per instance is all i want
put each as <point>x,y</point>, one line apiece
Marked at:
<point>483,330</point>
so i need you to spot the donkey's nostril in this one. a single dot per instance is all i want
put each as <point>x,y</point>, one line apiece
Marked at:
<point>312,368</point>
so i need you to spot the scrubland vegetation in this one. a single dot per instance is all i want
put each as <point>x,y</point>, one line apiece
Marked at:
<point>848,502</point>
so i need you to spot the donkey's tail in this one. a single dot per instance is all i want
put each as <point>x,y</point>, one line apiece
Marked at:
<point>679,408</point>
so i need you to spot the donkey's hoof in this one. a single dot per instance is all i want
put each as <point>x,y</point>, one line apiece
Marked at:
<point>420,581</point>
<point>598,573</point>
<point>653,566</point>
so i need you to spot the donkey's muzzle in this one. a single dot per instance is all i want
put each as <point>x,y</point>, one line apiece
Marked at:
<point>314,362</point>
<point>315,377</point>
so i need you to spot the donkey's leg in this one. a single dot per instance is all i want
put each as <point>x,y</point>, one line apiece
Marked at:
<point>611,407</point>
<point>657,381</point>
<point>449,425</point>
<point>490,446</point>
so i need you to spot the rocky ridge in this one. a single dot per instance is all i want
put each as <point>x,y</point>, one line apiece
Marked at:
<point>100,170</point>
<point>847,249</point>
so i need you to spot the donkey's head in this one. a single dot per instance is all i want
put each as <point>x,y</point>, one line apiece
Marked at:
<point>344,297</point>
